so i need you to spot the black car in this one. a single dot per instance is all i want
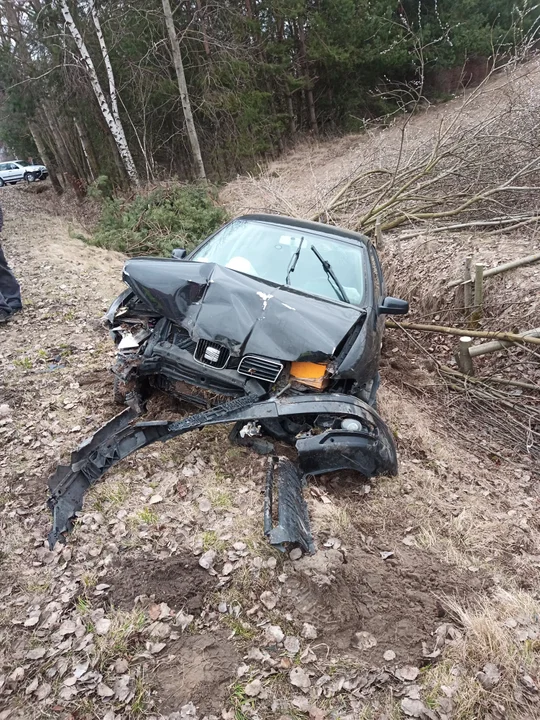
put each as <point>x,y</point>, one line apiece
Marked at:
<point>273,324</point>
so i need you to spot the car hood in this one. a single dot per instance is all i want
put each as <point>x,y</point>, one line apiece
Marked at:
<point>245,314</point>
<point>33,168</point>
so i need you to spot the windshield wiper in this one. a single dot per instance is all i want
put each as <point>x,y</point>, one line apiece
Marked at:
<point>293,262</point>
<point>342,295</point>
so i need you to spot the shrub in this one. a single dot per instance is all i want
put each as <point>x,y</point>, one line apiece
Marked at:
<point>157,222</point>
<point>101,188</point>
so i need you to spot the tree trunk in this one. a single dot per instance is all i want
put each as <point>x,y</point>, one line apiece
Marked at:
<point>45,158</point>
<point>48,138</point>
<point>66,162</point>
<point>72,148</point>
<point>182,87</point>
<point>292,118</point>
<point>202,18</point>
<point>110,114</point>
<point>87,149</point>
<point>308,90</point>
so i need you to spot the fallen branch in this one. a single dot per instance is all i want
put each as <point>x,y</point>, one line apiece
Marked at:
<point>333,202</point>
<point>500,268</point>
<point>494,345</point>
<point>489,334</point>
<point>472,224</point>
<point>501,381</point>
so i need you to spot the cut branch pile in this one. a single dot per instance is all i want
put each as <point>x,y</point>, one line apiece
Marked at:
<point>484,170</point>
<point>514,421</point>
<point>512,415</point>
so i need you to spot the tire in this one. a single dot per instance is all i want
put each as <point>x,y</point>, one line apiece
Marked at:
<point>119,391</point>
<point>2,183</point>
<point>30,177</point>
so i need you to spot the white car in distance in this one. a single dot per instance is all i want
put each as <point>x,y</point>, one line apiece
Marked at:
<point>16,170</point>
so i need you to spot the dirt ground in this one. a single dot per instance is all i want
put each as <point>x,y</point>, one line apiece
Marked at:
<point>422,600</point>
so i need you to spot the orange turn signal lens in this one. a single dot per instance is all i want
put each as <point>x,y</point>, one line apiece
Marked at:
<point>312,374</point>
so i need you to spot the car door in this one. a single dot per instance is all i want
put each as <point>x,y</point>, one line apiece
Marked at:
<point>16,172</point>
<point>5,172</point>
<point>10,172</point>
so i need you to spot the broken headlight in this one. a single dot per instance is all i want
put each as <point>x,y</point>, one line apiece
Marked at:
<point>313,375</point>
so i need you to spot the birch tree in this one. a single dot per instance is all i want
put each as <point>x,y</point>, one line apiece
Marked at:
<point>109,111</point>
<point>182,88</point>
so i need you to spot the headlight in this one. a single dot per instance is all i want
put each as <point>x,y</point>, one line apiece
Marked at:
<point>312,374</point>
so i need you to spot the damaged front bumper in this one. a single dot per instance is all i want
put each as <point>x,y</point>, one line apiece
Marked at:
<point>368,448</point>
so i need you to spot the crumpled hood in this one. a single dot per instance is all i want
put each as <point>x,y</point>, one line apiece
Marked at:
<point>245,314</point>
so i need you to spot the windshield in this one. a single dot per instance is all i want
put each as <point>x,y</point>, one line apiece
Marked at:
<point>289,256</point>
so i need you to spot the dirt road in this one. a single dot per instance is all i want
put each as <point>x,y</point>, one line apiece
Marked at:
<point>125,623</point>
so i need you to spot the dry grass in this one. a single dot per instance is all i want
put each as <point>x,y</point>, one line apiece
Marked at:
<point>493,631</point>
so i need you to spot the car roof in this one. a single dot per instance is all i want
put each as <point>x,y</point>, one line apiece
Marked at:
<point>307,225</point>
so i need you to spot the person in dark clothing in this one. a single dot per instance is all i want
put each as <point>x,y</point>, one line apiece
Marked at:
<point>10,292</point>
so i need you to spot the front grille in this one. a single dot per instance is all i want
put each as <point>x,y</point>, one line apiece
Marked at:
<point>211,353</point>
<point>260,367</point>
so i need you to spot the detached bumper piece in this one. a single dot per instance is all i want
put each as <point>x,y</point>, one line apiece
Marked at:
<point>113,442</point>
<point>370,449</point>
<point>292,513</point>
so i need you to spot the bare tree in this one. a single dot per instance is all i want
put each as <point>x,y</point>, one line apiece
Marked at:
<point>110,112</point>
<point>44,155</point>
<point>182,87</point>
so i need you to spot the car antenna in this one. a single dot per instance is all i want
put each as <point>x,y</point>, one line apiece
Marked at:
<point>293,262</point>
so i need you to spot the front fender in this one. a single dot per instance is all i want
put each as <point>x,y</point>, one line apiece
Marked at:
<point>116,305</point>
<point>371,451</point>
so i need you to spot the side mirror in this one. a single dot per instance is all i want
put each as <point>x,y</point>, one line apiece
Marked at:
<point>179,253</point>
<point>394,306</point>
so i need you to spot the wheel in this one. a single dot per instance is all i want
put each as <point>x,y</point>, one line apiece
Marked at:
<point>30,177</point>
<point>2,183</point>
<point>119,391</point>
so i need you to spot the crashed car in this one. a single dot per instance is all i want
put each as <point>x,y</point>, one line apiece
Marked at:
<point>272,324</point>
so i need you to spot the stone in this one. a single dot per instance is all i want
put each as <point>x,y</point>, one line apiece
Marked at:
<point>121,666</point>
<point>102,626</point>
<point>253,688</point>
<point>274,634</point>
<point>291,644</point>
<point>364,640</point>
<point>268,599</point>
<point>309,632</point>
<point>407,673</point>
<point>299,678</point>
<point>206,560</point>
